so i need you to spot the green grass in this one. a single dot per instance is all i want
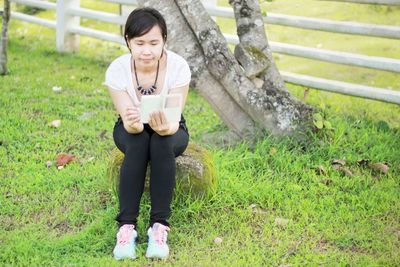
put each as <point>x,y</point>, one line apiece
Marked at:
<point>65,217</point>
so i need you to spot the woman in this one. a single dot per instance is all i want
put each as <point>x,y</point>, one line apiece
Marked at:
<point>149,69</point>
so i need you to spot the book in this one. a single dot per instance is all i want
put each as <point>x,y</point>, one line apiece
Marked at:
<point>171,105</point>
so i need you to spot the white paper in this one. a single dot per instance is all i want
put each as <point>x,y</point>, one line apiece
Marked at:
<point>170,104</point>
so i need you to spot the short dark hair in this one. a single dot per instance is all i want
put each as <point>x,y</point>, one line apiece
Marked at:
<point>141,21</point>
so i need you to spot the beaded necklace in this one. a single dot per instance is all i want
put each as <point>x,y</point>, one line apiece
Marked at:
<point>151,89</point>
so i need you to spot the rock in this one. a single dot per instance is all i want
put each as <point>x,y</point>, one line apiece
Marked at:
<point>55,123</point>
<point>195,171</point>
<point>218,240</point>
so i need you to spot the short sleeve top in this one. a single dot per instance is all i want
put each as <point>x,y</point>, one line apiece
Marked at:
<point>119,74</point>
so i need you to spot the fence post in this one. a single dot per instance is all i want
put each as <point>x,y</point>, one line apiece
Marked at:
<point>65,41</point>
<point>125,10</point>
<point>211,3</point>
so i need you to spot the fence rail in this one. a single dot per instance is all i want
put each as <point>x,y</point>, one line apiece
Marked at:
<point>362,91</point>
<point>33,19</point>
<point>374,2</point>
<point>68,28</point>
<point>36,3</point>
<point>97,15</point>
<point>317,24</point>
<point>380,63</point>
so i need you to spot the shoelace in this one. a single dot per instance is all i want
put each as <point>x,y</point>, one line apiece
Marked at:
<point>125,233</point>
<point>159,233</point>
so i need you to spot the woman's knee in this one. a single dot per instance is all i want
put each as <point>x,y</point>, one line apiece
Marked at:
<point>134,141</point>
<point>140,139</point>
<point>160,143</point>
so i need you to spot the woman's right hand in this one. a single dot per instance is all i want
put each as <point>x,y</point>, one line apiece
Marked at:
<point>132,119</point>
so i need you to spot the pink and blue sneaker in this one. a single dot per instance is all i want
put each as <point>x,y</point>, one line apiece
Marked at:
<point>157,246</point>
<point>125,247</point>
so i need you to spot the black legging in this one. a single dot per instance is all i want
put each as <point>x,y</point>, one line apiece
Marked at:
<point>138,150</point>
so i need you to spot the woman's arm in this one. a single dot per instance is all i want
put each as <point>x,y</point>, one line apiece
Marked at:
<point>130,114</point>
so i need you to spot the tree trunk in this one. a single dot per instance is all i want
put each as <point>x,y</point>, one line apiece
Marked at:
<point>274,96</point>
<point>182,40</point>
<point>4,38</point>
<point>218,76</point>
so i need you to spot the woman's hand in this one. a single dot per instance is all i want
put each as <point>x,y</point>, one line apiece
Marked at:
<point>132,120</point>
<point>159,123</point>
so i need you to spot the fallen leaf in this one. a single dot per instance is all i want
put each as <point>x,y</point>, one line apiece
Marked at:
<point>257,210</point>
<point>317,117</point>
<point>346,171</point>
<point>260,211</point>
<point>363,162</point>
<point>380,167</point>
<point>218,240</point>
<point>320,170</point>
<point>55,123</point>
<point>252,206</point>
<point>63,159</point>
<point>339,162</point>
<point>319,124</point>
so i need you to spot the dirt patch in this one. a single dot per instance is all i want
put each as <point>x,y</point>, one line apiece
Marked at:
<point>322,246</point>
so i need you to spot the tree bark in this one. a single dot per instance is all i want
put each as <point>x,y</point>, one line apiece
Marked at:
<point>274,96</point>
<point>182,41</point>
<point>251,33</point>
<point>4,38</point>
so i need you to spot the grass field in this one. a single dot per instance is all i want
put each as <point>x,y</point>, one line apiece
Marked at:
<point>278,203</point>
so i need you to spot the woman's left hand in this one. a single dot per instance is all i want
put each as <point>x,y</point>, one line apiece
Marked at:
<point>159,123</point>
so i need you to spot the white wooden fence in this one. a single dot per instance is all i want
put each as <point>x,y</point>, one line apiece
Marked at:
<point>68,30</point>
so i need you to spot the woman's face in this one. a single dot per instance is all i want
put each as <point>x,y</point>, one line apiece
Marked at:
<point>146,49</point>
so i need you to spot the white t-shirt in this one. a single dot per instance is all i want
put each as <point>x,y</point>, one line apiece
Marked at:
<point>119,75</point>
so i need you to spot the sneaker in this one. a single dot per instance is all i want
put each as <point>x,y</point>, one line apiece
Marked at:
<point>125,247</point>
<point>157,247</point>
